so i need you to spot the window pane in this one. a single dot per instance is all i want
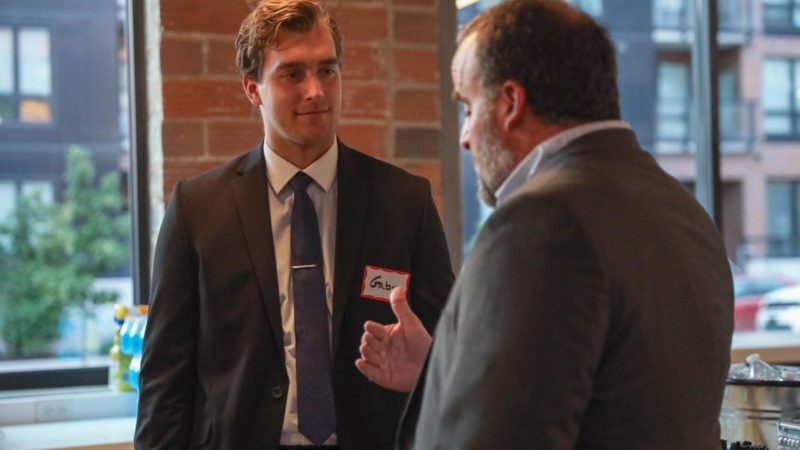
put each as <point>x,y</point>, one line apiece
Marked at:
<point>70,55</point>
<point>592,7</point>
<point>670,13</point>
<point>759,82</point>
<point>769,223</point>
<point>775,17</point>
<point>779,204</point>
<point>6,109</point>
<point>775,85</point>
<point>673,80</point>
<point>8,193</point>
<point>43,189</point>
<point>777,124</point>
<point>6,61</point>
<point>794,91</point>
<point>34,61</point>
<point>34,110</point>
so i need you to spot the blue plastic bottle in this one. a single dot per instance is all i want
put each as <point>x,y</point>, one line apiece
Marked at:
<point>137,340</point>
<point>126,334</point>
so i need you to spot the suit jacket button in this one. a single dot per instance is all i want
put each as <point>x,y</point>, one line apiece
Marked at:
<point>277,392</point>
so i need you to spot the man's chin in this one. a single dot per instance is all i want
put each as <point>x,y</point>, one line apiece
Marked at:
<point>316,139</point>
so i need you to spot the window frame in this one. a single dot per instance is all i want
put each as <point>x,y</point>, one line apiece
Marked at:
<point>93,374</point>
<point>793,112</point>
<point>16,96</point>
<point>793,237</point>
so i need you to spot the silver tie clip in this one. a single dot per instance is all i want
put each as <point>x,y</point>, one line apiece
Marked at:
<point>305,266</point>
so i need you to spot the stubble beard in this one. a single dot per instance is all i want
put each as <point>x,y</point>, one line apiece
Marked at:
<point>492,160</point>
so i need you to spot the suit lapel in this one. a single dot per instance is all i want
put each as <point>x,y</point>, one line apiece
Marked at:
<point>250,191</point>
<point>351,214</point>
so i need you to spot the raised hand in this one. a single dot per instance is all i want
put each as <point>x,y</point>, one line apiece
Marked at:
<point>392,355</point>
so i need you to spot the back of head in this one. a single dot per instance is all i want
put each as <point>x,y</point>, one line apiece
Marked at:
<point>260,29</point>
<point>560,55</point>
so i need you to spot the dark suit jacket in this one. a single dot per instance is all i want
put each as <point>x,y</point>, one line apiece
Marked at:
<point>213,373</point>
<point>595,312</point>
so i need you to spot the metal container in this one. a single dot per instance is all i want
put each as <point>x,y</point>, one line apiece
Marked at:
<point>751,410</point>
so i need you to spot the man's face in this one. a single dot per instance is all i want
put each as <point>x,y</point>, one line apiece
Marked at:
<point>480,133</point>
<point>299,93</point>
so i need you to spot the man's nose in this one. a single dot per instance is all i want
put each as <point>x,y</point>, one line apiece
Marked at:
<point>464,139</point>
<point>313,87</point>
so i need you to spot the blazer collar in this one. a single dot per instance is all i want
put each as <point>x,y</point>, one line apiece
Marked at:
<point>250,193</point>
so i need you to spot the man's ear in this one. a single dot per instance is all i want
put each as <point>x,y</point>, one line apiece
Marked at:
<point>251,90</point>
<point>512,104</point>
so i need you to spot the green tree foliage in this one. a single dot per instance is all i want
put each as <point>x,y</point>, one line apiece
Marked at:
<point>50,255</point>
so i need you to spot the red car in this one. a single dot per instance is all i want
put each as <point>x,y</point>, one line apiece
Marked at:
<point>748,290</point>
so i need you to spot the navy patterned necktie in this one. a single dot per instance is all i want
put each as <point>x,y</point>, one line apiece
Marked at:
<point>315,407</point>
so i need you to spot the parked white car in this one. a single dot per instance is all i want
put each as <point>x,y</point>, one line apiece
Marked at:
<point>780,311</point>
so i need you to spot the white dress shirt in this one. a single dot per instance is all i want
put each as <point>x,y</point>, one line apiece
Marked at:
<point>527,167</point>
<point>323,193</point>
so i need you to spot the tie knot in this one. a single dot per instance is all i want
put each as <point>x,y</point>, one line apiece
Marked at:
<point>300,181</point>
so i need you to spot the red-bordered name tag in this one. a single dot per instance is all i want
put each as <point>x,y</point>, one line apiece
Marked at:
<point>379,282</point>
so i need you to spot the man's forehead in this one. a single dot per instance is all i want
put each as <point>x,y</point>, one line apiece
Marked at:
<point>287,37</point>
<point>293,47</point>
<point>462,63</point>
<point>465,49</point>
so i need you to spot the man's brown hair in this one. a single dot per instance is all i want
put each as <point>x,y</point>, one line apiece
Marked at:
<point>563,58</point>
<point>260,30</point>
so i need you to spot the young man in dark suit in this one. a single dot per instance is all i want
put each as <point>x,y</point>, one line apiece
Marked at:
<point>267,267</point>
<point>595,311</point>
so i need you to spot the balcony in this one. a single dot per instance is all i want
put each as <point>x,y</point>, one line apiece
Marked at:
<point>768,246</point>
<point>673,22</point>
<point>675,126</point>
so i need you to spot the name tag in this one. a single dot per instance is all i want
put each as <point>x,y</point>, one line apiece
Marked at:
<point>379,282</point>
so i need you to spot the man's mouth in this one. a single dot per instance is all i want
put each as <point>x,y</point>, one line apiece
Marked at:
<point>312,112</point>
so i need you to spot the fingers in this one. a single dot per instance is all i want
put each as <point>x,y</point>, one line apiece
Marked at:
<point>373,346</point>
<point>373,373</point>
<point>375,329</point>
<point>374,343</point>
<point>400,305</point>
<point>372,355</point>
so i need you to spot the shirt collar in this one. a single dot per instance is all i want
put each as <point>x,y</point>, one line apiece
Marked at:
<point>528,166</point>
<point>322,171</point>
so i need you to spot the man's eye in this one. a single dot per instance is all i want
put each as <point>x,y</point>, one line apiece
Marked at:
<point>329,71</point>
<point>294,75</point>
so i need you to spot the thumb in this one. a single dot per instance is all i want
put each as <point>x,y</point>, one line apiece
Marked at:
<point>400,307</point>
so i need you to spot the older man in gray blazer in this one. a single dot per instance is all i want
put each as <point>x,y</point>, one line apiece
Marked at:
<point>596,308</point>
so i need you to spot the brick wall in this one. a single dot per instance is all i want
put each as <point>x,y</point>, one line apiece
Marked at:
<point>390,76</point>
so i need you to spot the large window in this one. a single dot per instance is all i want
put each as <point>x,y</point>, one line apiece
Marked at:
<point>25,75</point>
<point>65,248</point>
<point>758,80</point>
<point>780,89</point>
<point>673,108</point>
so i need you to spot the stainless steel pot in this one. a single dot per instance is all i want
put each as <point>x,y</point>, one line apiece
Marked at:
<point>751,410</point>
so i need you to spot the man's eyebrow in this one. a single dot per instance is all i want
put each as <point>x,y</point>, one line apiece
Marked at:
<point>291,65</point>
<point>301,64</point>
<point>329,62</point>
